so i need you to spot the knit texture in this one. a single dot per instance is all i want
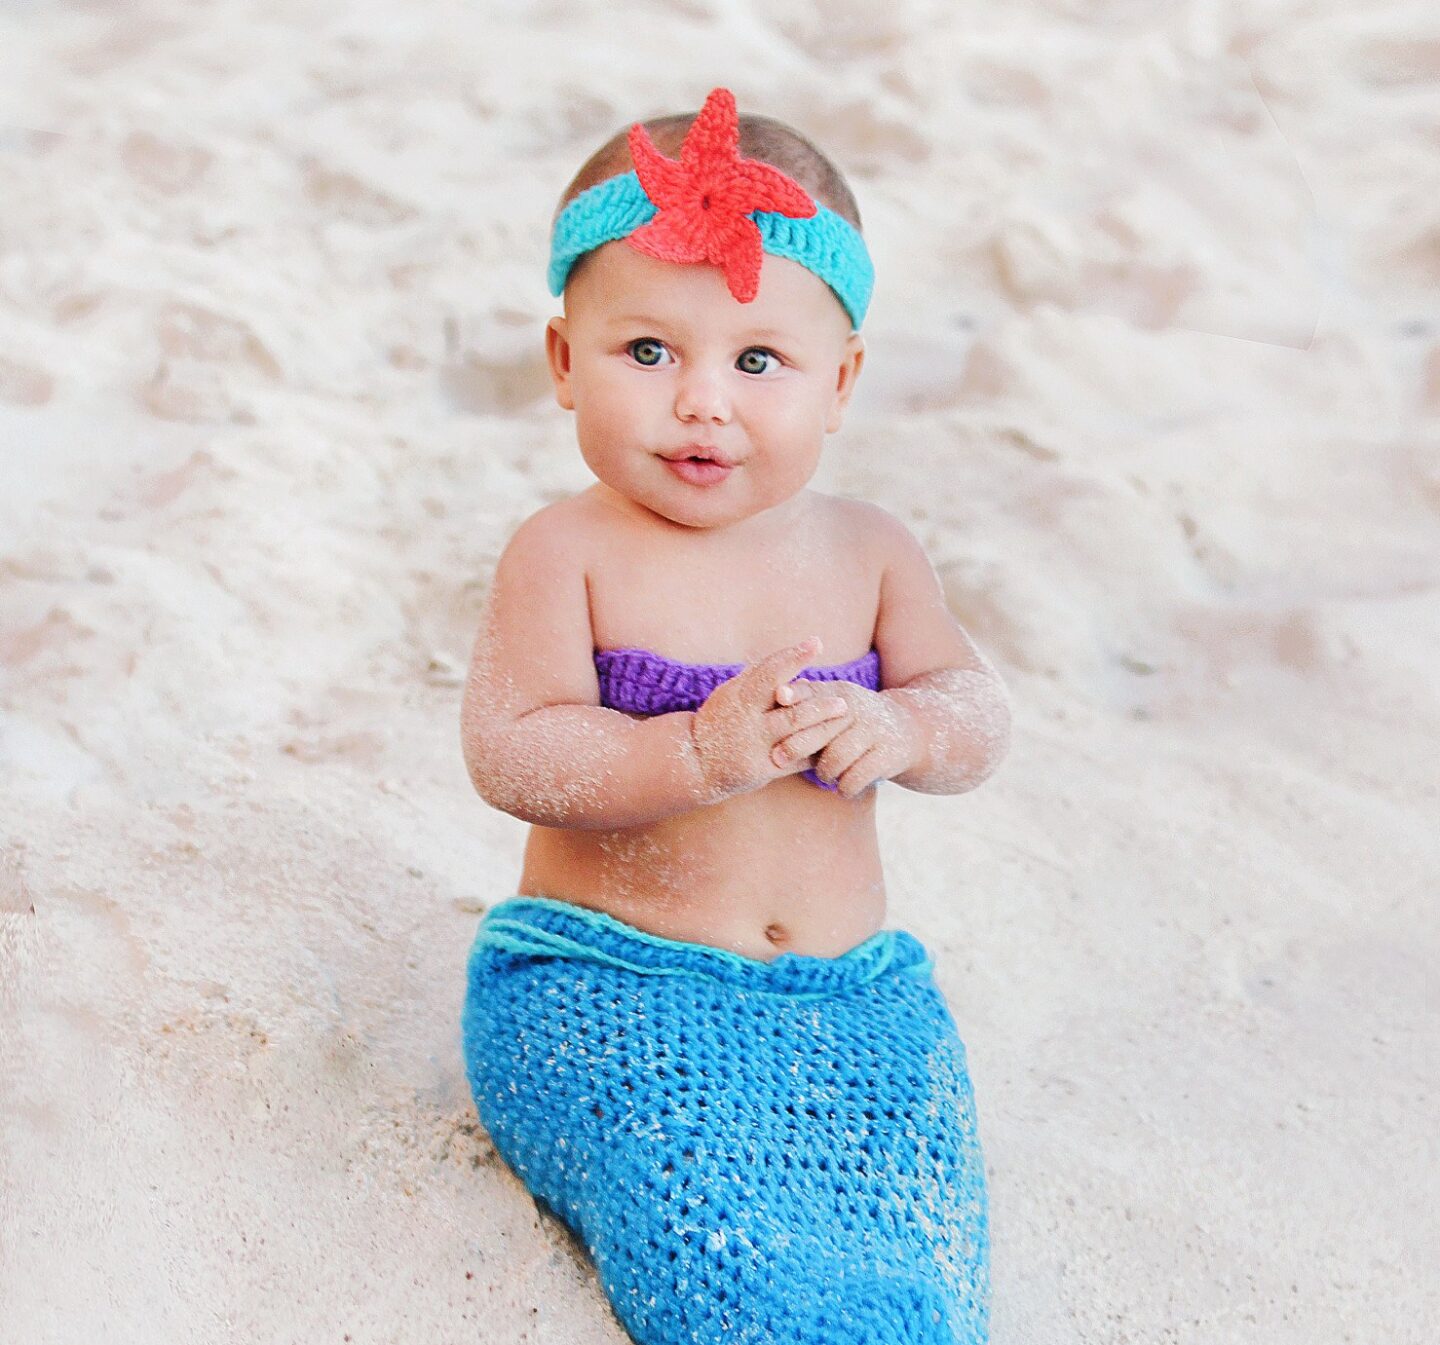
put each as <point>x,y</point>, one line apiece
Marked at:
<point>751,1152</point>
<point>706,195</point>
<point>826,243</point>
<point>639,681</point>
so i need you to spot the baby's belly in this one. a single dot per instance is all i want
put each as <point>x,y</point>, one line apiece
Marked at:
<point>789,868</point>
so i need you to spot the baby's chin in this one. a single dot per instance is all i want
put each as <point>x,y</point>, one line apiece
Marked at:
<point>708,509</point>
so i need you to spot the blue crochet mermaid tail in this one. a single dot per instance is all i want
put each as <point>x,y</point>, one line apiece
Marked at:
<point>751,1152</point>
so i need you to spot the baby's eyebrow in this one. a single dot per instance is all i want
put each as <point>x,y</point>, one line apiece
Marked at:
<point>646,320</point>
<point>641,320</point>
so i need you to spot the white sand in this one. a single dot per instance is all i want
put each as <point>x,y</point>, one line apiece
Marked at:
<point>1154,374</point>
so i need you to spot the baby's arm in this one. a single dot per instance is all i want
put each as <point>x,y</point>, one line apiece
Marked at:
<point>935,675</point>
<point>537,742</point>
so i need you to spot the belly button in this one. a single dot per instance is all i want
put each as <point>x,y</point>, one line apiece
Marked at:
<point>775,933</point>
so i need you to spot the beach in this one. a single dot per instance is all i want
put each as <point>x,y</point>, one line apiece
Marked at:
<point>1152,372</point>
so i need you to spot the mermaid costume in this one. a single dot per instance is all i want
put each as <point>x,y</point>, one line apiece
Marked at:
<point>751,1152</point>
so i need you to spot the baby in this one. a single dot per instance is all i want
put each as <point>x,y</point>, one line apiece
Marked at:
<point>688,1033</point>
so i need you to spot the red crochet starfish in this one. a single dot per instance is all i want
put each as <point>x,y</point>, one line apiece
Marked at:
<point>706,196</point>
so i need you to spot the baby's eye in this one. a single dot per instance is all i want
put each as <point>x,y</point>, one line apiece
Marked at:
<point>647,351</point>
<point>751,361</point>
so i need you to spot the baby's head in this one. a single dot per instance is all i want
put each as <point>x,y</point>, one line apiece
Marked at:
<point>711,306</point>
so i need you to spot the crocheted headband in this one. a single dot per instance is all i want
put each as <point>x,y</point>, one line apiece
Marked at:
<point>713,206</point>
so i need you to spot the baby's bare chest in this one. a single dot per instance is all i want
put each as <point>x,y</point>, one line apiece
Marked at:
<point>717,603</point>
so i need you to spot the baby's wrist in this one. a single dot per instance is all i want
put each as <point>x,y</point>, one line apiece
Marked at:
<point>913,732</point>
<point>706,787</point>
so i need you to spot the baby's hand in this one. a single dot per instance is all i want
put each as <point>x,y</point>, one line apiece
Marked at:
<point>740,730</point>
<point>874,740</point>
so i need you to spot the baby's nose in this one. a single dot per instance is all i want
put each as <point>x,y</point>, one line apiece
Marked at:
<point>700,396</point>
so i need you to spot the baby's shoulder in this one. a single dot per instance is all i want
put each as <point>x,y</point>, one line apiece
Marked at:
<point>548,548</point>
<point>566,524</point>
<point>864,528</point>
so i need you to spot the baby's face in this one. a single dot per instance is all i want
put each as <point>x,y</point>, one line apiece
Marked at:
<point>655,357</point>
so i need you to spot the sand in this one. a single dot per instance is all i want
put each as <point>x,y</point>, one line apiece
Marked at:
<point>1154,375</point>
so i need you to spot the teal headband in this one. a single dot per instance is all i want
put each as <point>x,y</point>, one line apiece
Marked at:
<point>709,206</point>
<point>826,243</point>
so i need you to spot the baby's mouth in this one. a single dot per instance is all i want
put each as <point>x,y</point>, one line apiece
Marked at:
<point>698,456</point>
<point>699,471</point>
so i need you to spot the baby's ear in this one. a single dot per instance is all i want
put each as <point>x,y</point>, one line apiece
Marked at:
<point>557,353</point>
<point>845,377</point>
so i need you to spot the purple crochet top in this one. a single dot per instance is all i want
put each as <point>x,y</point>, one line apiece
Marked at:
<point>640,681</point>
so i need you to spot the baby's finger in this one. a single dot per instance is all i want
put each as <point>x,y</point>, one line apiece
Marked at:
<point>839,754</point>
<point>860,775</point>
<point>768,674</point>
<point>812,709</point>
<point>804,742</point>
<point>792,693</point>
